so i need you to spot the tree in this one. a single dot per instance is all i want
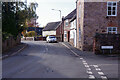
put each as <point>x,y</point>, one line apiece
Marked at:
<point>16,16</point>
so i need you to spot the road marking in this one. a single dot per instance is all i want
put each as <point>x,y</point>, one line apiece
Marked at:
<point>85,63</point>
<point>91,77</point>
<point>88,68</point>
<point>89,72</point>
<point>81,58</point>
<point>100,73</point>
<point>98,69</point>
<point>104,77</point>
<point>95,66</point>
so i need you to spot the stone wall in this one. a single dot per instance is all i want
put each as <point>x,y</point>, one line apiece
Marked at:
<point>10,42</point>
<point>107,40</point>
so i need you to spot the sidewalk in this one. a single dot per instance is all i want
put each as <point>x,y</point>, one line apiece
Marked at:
<point>76,50</point>
<point>88,53</point>
<point>13,51</point>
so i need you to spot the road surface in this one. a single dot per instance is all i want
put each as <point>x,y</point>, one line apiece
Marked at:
<point>57,60</point>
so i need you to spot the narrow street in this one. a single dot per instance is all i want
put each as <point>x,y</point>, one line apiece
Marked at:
<point>54,60</point>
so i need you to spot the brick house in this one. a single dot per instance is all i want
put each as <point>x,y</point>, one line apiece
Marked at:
<point>67,25</point>
<point>96,17</point>
<point>51,28</point>
<point>60,32</point>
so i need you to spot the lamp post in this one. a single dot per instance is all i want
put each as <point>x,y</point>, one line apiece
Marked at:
<point>59,11</point>
<point>60,20</point>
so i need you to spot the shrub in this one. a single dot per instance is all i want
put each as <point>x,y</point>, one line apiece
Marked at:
<point>30,34</point>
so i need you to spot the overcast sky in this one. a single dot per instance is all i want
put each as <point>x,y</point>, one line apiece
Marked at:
<point>47,15</point>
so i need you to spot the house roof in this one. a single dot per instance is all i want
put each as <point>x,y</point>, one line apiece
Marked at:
<point>70,15</point>
<point>73,18</point>
<point>51,26</point>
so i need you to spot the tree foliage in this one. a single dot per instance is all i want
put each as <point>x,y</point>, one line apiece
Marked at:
<point>15,16</point>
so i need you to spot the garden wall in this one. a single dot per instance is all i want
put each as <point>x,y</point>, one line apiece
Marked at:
<point>10,42</point>
<point>106,40</point>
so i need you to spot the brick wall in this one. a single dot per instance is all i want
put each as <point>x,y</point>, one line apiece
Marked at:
<point>106,40</point>
<point>67,29</point>
<point>60,32</point>
<point>94,20</point>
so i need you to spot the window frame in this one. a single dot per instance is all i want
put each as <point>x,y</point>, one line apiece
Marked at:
<point>112,8</point>
<point>66,22</point>
<point>112,30</point>
<point>65,34</point>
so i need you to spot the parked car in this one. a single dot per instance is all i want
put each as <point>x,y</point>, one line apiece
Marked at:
<point>51,39</point>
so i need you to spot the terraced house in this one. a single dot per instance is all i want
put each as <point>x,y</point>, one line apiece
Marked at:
<point>101,16</point>
<point>67,25</point>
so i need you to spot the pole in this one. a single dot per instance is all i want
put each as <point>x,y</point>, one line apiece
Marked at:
<point>59,11</point>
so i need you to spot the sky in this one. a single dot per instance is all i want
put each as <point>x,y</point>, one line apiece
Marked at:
<point>46,14</point>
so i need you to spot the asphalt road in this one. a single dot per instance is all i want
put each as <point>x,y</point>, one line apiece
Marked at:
<point>55,60</point>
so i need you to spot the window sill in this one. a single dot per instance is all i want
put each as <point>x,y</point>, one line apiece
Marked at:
<point>111,17</point>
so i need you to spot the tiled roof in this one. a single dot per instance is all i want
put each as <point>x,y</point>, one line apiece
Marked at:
<point>70,15</point>
<point>51,26</point>
<point>73,18</point>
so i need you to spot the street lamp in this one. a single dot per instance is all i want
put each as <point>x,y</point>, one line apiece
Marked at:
<point>59,11</point>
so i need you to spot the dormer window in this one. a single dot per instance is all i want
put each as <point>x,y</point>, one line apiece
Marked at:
<point>112,8</point>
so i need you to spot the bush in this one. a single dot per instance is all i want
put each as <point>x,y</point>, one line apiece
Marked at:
<point>5,35</point>
<point>30,34</point>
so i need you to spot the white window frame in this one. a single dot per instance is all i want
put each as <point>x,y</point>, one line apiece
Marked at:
<point>66,22</point>
<point>112,30</point>
<point>112,8</point>
<point>65,33</point>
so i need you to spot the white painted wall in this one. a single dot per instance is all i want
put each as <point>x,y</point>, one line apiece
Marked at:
<point>45,33</point>
<point>73,32</point>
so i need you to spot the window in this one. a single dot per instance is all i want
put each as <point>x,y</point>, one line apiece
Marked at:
<point>112,30</point>
<point>111,8</point>
<point>65,34</point>
<point>66,22</point>
<point>79,34</point>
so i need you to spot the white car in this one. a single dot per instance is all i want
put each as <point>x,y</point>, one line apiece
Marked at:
<point>51,39</point>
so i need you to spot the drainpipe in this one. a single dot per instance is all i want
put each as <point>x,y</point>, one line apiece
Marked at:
<point>76,25</point>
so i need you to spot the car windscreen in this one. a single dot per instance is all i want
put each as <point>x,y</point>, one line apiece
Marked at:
<point>52,37</point>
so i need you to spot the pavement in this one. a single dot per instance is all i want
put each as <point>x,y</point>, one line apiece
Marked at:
<point>59,60</point>
<point>13,51</point>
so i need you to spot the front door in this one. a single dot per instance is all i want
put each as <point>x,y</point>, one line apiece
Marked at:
<point>68,36</point>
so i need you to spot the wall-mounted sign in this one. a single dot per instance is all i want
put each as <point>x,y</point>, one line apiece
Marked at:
<point>106,47</point>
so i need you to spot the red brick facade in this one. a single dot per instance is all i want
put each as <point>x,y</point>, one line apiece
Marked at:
<point>60,32</point>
